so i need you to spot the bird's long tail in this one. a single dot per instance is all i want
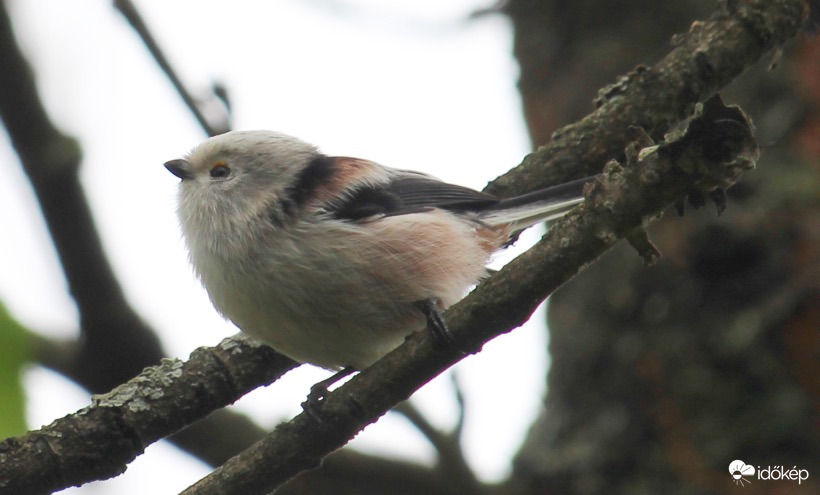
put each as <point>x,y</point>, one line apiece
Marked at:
<point>538,206</point>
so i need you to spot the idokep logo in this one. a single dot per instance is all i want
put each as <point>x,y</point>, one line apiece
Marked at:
<point>741,472</point>
<point>738,470</point>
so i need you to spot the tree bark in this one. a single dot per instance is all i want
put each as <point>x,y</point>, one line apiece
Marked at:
<point>662,376</point>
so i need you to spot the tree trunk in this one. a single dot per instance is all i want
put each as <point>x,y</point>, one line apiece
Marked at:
<point>662,376</point>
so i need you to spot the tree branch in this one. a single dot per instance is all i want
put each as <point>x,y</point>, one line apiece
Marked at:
<point>448,446</point>
<point>214,439</point>
<point>98,441</point>
<point>703,60</point>
<point>624,199</point>
<point>129,11</point>
<point>619,200</point>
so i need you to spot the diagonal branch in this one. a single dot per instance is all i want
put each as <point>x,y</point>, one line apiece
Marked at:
<point>214,439</point>
<point>129,11</point>
<point>703,60</point>
<point>99,441</point>
<point>713,153</point>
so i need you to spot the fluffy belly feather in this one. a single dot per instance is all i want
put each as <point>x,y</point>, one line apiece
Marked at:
<point>329,342</point>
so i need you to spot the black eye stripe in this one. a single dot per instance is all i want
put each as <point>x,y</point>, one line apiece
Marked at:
<point>318,172</point>
<point>220,171</point>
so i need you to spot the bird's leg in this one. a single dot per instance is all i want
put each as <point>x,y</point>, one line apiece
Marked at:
<point>437,325</point>
<point>320,390</point>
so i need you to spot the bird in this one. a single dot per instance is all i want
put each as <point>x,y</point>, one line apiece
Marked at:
<point>334,260</point>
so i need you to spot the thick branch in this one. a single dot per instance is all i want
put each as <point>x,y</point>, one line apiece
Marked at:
<point>655,98</point>
<point>99,441</point>
<point>623,200</point>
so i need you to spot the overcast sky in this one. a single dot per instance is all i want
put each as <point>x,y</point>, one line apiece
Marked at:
<point>410,84</point>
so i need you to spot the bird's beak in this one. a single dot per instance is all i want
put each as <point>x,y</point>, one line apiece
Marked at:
<point>181,168</point>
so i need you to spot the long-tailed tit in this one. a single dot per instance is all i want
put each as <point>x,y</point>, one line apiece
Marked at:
<point>335,260</point>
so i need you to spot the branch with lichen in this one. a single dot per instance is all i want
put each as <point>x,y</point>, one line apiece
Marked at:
<point>630,194</point>
<point>700,62</point>
<point>712,154</point>
<point>99,441</point>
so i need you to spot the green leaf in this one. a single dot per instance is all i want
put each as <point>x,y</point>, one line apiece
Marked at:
<point>14,354</point>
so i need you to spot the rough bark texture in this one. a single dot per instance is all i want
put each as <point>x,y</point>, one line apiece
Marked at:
<point>697,63</point>
<point>661,376</point>
<point>99,441</point>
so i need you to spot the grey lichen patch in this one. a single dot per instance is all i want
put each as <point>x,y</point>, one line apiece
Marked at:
<point>117,397</point>
<point>138,405</point>
<point>614,172</point>
<point>235,343</point>
<point>168,370</point>
<point>150,385</point>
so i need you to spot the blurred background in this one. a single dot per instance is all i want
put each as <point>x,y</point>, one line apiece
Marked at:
<point>649,379</point>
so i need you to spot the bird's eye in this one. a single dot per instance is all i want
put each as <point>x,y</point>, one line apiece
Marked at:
<point>220,171</point>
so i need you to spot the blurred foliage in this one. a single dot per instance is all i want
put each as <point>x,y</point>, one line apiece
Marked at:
<point>14,354</point>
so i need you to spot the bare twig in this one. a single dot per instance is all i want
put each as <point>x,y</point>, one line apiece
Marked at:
<point>461,402</point>
<point>448,446</point>
<point>129,11</point>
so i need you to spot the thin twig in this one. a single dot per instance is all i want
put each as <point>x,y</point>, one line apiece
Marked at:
<point>129,11</point>
<point>461,402</point>
<point>450,454</point>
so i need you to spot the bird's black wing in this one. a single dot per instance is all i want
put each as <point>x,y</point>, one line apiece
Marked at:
<point>410,194</point>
